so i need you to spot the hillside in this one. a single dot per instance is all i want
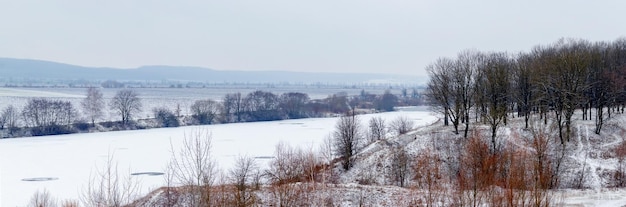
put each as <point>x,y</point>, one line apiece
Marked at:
<point>24,69</point>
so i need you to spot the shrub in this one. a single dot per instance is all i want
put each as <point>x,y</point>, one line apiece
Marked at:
<point>81,126</point>
<point>50,130</point>
<point>166,117</point>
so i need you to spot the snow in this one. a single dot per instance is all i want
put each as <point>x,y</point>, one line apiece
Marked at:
<point>69,160</point>
<point>12,92</point>
<point>588,150</point>
<point>63,164</point>
<point>599,198</point>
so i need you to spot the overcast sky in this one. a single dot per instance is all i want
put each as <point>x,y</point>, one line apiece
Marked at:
<point>385,36</point>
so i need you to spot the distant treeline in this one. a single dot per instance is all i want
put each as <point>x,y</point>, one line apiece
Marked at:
<point>45,83</point>
<point>43,116</point>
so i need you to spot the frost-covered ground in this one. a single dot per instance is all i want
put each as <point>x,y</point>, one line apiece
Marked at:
<point>587,151</point>
<point>70,159</point>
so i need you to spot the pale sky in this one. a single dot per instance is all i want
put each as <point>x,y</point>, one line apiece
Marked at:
<point>385,36</point>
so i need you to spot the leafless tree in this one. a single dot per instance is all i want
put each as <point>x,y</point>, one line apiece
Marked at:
<point>400,166</point>
<point>347,139</point>
<point>108,188</point>
<point>377,129</point>
<point>401,125</point>
<point>232,108</point>
<point>10,118</point>
<point>289,166</point>
<point>327,156</point>
<point>262,106</point>
<point>171,196</point>
<point>42,199</point>
<point>566,64</point>
<point>523,86</point>
<point>194,166</point>
<point>286,167</point>
<point>495,82</point>
<point>338,103</point>
<point>48,117</point>
<point>93,105</point>
<point>293,104</point>
<point>243,177</point>
<point>428,175</point>
<point>126,103</point>
<point>440,90</point>
<point>464,79</point>
<point>205,111</point>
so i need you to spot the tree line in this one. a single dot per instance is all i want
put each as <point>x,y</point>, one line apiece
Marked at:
<point>41,116</point>
<point>550,80</point>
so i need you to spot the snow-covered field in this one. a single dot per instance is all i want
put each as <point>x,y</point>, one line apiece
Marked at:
<point>69,159</point>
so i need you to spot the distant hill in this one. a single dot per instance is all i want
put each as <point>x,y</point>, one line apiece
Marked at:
<point>25,69</point>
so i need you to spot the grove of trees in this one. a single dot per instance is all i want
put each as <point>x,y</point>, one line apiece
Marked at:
<point>47,117</point>
<point>545,87</point>
<point>552,81</point>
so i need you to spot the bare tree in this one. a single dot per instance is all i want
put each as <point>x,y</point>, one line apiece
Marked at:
<point>327,157</point>
<point>428,174</point>
<point>262,106</point>
<point>10,118</point>
<point>564,67</point>
<point>171,196</point>
<point>205,111</point>
<point>126,103</point>
<point>42,199</point>
<point>293,104</point>
<point>439,91</point>
<point>464,81</point>
<point>400,161</point>
<point>523,86</point>
<point>290,165</point>
<point>452,87</point>
<point>495,89</point>
<point>232,108</point>
<point>347,139</point>
<point>48,117</point>
<point>377,129</point>
<point>108,188</point>
<point>243,177</point>
<point>93,104</point>
<point>401,125</point>
<point>194,166</point>
<point>286,166</point>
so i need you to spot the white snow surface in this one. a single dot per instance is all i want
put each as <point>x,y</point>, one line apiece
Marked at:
<point>71,159</point>
<point>13,92</point>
